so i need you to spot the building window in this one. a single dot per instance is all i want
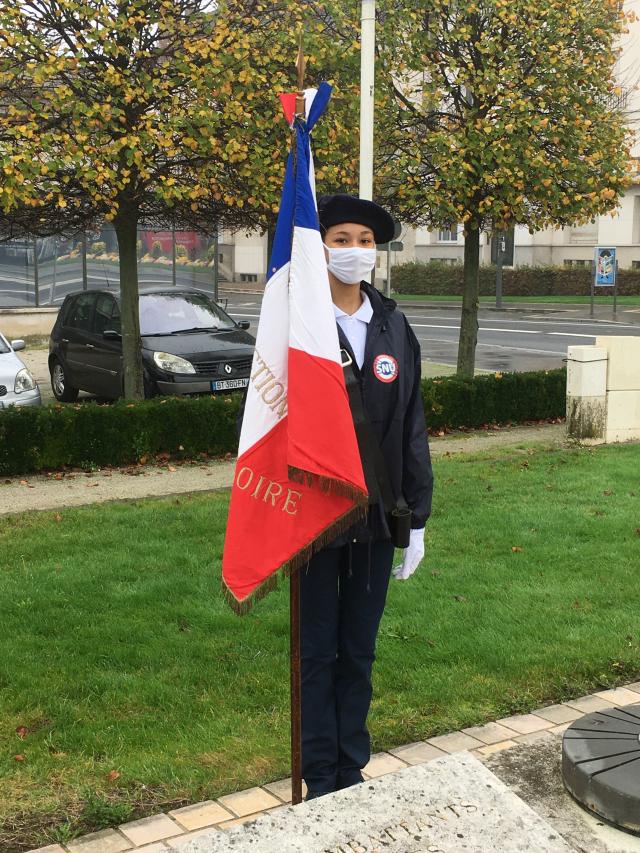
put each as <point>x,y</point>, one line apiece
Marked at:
<point>448,234</point>
<point>248,276</point>
<point>635,265</point>
<point>451,261</point>
<point>576,262</point>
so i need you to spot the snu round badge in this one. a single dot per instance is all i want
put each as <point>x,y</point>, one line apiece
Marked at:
<point>385,368</point>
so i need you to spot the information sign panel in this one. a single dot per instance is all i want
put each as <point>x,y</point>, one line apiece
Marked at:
<point>605,266</point>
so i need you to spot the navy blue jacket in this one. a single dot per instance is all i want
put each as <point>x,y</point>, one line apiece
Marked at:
<point>390,382</point>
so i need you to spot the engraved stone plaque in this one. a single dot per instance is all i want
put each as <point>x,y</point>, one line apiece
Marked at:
<point>451,805</point>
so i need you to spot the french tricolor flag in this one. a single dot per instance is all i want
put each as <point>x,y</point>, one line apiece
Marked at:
<point>298,480</point>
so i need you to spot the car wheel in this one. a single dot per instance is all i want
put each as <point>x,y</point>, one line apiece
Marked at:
<point>62,391</point>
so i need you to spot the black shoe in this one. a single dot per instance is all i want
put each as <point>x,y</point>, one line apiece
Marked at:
<point>313,795</point>
<point>347,782</point>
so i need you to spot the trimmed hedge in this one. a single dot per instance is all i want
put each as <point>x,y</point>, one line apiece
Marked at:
<point>90,435</point>
<point>438,279</point>
<point>497,398</point>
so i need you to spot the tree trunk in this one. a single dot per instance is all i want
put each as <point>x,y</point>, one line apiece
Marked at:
<point>126,231</point>
<point>470,297</point>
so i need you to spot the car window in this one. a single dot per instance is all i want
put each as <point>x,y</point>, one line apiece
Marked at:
<point>115,318</point>
<point>164,313</point>
<point>67,305</point>
<point>3,345</point>
<point>106,309</point>
<point>79,315</point>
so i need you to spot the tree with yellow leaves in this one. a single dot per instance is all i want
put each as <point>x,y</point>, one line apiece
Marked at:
<point>150,111</point>
<point>495,113</point>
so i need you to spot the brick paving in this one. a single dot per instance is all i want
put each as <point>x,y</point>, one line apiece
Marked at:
<point>164,832</point>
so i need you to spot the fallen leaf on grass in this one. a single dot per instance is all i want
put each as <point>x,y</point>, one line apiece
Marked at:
<point>57,517</point>
<point>112,775</point>
<point>22,732</point>
<point>90,485</point>
<point>431,643</point>
<point>637,531</point>
<point>516,549</point>
<point>460,597</point>
<point>608,493</point>
<point>18,757</point>
<point>171,468</point>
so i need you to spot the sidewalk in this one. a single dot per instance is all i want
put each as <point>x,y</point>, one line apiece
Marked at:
<point>164,832</point>
<point>76,488</point>
<point>576,313</point>
<point>564,310</point>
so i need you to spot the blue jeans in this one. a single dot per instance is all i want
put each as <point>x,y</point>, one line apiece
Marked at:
<point>342,600</point>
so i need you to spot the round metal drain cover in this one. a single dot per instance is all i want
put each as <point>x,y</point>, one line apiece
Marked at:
<point>601,764</point>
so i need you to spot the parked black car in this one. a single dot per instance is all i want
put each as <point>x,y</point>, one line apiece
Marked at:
<point>190,345</point>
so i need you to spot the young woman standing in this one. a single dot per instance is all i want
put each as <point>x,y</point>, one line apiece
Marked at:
<point>344,588</point>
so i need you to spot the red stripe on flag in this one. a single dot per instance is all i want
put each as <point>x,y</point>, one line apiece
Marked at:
<point>321,434</point>
<point>274,523</point>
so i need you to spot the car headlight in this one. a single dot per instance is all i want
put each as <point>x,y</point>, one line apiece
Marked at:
<point>24,381</point>
<point>173,363</point>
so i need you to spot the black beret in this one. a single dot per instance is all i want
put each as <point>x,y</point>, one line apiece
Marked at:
<point>339,208</point>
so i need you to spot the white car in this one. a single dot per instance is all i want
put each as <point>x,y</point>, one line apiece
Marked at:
<point>17,385</point>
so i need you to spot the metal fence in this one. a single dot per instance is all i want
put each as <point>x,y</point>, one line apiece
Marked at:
<point>42,272</point>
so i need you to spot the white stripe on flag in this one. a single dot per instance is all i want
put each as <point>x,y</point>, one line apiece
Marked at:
<point>267,393</point>
<point>313,324</point>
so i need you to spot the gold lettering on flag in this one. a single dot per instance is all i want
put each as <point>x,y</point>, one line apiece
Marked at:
<point>272,392</point>
<point>270,492</point>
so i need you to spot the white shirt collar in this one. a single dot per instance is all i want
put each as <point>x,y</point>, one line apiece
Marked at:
<point>364,312</point>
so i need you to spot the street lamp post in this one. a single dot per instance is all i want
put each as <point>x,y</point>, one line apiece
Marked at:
<point>501,248</point>
<point>367,77</point>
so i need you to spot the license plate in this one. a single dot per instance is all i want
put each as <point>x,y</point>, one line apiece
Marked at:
<point>229,384</point>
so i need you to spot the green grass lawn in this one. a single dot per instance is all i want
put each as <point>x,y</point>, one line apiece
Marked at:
<point>117,652</point>
<point>555,300</point>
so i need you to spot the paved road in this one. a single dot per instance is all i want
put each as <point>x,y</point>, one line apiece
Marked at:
<point>511,340</point>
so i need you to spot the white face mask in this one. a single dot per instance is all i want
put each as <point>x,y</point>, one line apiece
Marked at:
<point>352,265</point>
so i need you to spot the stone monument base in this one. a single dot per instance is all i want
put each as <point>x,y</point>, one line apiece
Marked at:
<point>452,805</point>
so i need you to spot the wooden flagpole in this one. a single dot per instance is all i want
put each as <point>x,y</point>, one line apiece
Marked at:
<point>294,580</point>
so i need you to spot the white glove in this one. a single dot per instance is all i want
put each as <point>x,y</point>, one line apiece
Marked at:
<point>412,556</point>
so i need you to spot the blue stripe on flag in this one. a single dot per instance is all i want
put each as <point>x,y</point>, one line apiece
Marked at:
<point>306,215</point>
<point>298,203</point>
<point>281,250</point>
